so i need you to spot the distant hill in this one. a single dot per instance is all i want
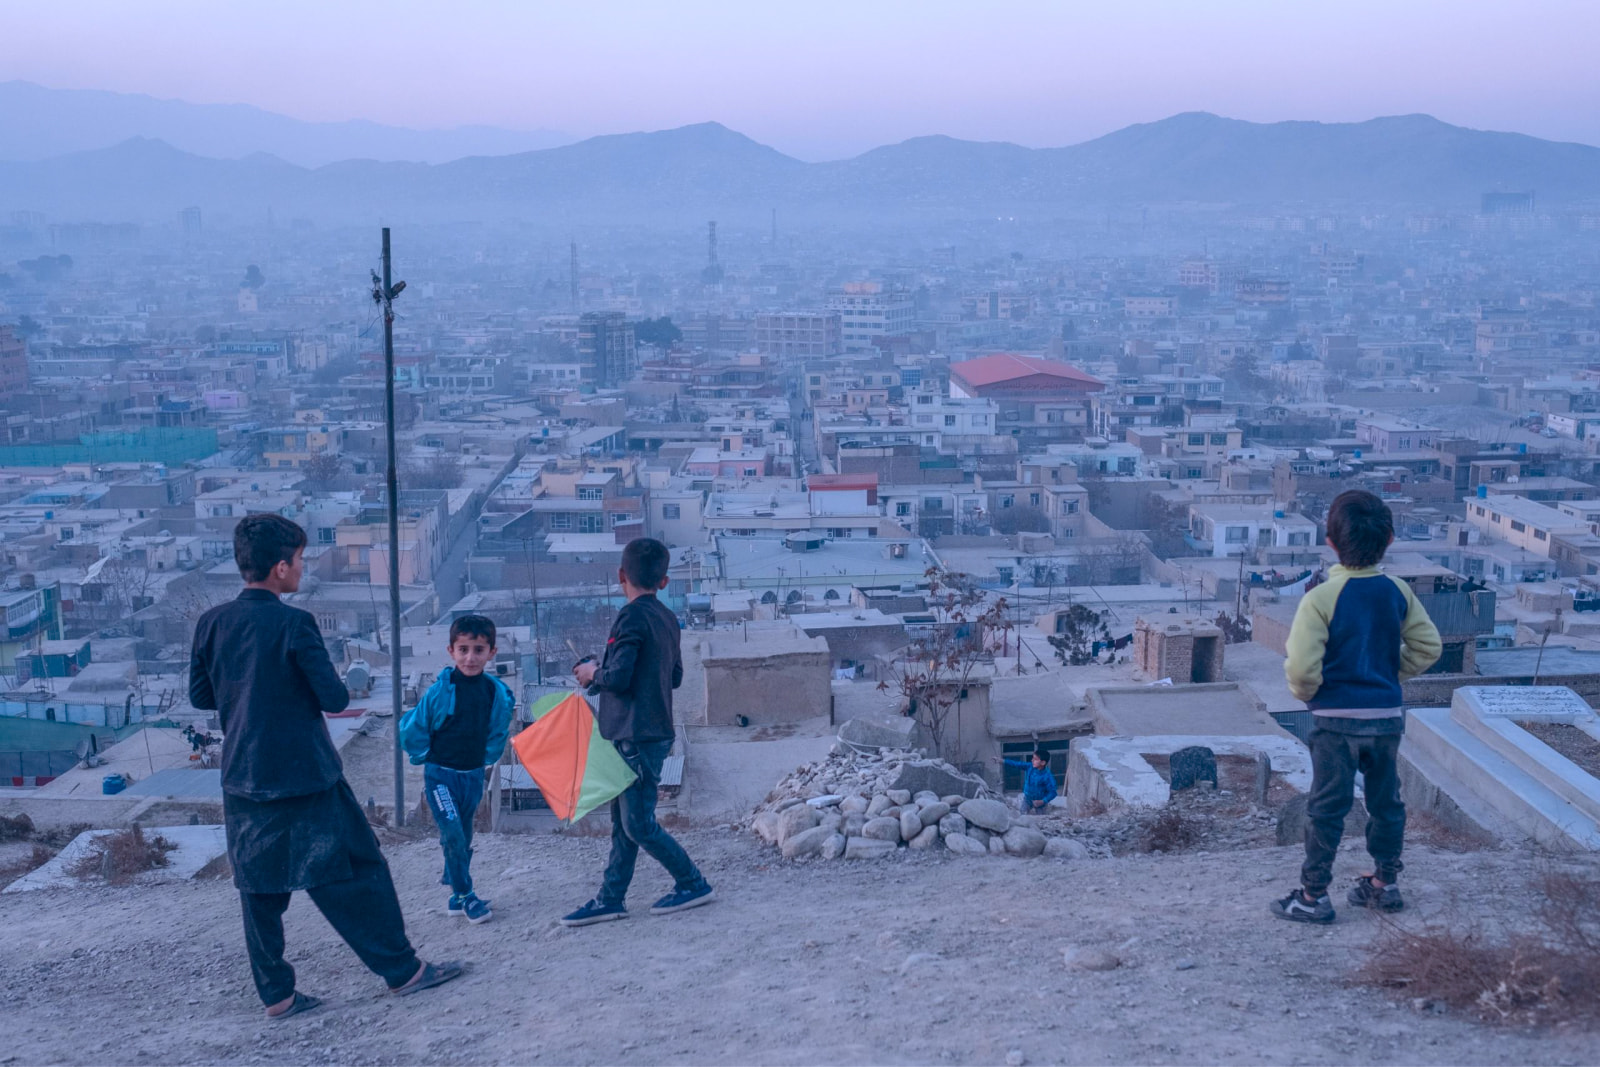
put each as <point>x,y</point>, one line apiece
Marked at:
<point>38,123</point>
<point>687,175</point>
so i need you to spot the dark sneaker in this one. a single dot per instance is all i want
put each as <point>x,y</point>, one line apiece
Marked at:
<point>1366,895</point>
<point>476,911</point>
<point>1297,909</point>
<point>457,905</point>
<point>683,900</point>
<point>595,912</point>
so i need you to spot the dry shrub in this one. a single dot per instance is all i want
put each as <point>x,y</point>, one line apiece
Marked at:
<point>15,827</point>
<point>1168,832</point>
<point>121,856</point>
<point>62,836</point>
<point>1549,975</point>
<point>32,862</point>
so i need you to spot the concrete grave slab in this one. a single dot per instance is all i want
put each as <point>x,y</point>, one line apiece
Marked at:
<point>1220,709</point>
<point>197,847</point>
<point>1508,782</point>
<point>1112,772</point>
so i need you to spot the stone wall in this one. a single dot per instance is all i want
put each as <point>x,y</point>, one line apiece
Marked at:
<point>1175,646</point>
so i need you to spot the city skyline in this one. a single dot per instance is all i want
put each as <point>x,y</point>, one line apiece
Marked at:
<point>1033,74</point>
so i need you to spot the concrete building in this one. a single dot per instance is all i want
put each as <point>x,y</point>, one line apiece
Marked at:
<point>1524,524</point>
<point>1184,648</point>
<point>798,334</point>
<point>13,362</point>
<point>606,351</point>
<point>765,675</point>
<point>869,311</point>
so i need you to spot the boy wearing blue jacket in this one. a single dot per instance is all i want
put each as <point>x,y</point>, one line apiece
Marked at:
<point>1355,638</point>
<point>1038,785</point>
<point>458,728</point>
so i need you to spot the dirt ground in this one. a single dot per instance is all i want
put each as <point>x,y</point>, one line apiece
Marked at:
<point>922,958</point>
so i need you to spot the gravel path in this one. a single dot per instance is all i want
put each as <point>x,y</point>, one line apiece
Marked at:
<point>915,959</point>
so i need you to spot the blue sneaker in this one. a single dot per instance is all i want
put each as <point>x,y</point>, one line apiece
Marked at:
<point>683,900</point>
<point>457,905</point>
<point>595,912</point>
<point>477,911</point>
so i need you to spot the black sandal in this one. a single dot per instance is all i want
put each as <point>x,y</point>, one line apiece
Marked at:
<point>301,1003</point>
<point>432,974</point>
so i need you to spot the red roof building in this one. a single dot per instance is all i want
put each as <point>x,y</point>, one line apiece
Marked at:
<point>1007,375</point>
<point>835,483</point>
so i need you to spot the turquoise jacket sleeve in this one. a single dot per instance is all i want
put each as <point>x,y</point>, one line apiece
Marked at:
<point>417,725</point>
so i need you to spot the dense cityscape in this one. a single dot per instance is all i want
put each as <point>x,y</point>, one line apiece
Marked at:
<point>1024,515</point>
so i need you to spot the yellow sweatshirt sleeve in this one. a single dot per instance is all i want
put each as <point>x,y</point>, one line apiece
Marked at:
<point>1308,639</point>
<point>1422,647</point>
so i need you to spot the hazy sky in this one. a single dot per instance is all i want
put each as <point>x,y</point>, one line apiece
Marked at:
<point>823,79</point>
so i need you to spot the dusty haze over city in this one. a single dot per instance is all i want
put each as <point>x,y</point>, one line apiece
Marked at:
<point>990,373</point>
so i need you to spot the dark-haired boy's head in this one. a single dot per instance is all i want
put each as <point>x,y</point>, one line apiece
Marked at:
<point>644,563</point>
<point>1360,528</point>
<point>1041,757</point>
<point>261,542</point>
<point>473,626</point>
<point>472,644</point>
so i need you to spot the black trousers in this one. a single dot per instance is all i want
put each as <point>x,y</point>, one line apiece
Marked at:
<point>362,909</point>
<point>1335,759</point>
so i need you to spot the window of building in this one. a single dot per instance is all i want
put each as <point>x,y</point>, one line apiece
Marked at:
<point>924,398</point>
<point>1007,501</point>
<point>670,511</point>
<point>980,420</point>
<point>325,535</point>
<point>1538,535</point>
<point>561,521</point>
<point>1197,439</point>
<point>1069,533</point>
<point>1517,527</point>
<point>949,420</point>
<point>902,508</point>
<point>1219,438</point>
<point>590,492</point>
<point>1236,535</point>
<point>1033,500</point>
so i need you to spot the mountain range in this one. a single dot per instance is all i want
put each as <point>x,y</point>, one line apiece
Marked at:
<point>39,123</point>
<point>686,175</point>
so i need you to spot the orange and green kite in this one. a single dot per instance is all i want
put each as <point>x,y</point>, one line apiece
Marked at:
<point>575,768</point>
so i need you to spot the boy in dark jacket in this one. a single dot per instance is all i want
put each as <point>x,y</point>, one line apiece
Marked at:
<point>1355,638</point>
<point>634,680</point>
<point>292,822</point>
<point>458,728</point>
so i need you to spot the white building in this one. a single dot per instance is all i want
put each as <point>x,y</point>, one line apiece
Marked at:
<point>868,311</point>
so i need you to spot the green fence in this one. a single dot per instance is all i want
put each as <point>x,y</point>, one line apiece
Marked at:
<point>173,447</point>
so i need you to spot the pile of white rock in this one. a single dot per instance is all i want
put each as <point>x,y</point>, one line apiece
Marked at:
<point>867,806</point>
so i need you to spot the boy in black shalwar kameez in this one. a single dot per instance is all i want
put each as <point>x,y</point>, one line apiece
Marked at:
<point>292,821</point>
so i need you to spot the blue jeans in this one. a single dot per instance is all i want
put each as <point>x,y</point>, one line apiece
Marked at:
<point>634,826</point>
<point>453,797</point>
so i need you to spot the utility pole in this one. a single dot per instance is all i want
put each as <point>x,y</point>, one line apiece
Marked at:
<point>383,294</point>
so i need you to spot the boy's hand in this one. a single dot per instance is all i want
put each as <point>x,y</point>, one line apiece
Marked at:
<point>584,672</point>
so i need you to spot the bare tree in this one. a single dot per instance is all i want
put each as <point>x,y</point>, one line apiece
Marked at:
<point>933,673</point>
<point>323,469</point>
<point>1021,518</point>
<point>1079,629</point>
<point>440,472</point>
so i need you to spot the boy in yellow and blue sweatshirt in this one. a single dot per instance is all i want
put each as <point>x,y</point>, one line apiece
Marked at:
<point>1355,638</point>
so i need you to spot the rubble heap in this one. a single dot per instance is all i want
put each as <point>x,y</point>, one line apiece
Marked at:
<point>856,805</point>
